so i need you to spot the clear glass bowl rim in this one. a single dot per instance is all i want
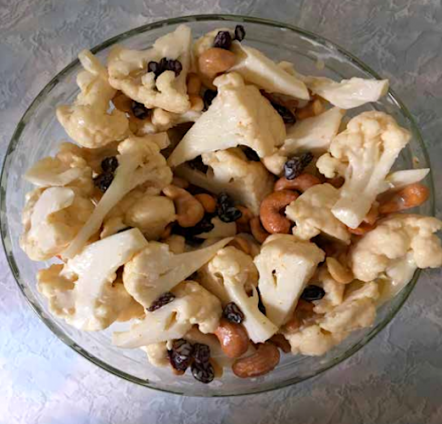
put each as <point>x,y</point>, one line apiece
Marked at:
<point>165,23</point>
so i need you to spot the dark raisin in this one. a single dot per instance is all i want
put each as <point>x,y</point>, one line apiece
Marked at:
<point>201,353</point>
<point>208,97</point>
<point>164,299</point>
<point>240,33</point>
<point>223,40</point>
<point>180,356</point>
<point>189,233</point>
<point>153,67</point>
<point>175,66</point>
<point>198,164</point>
<point>306,158</point>
<point>139,110</point>
<point>294,166</point>
<point>287,116</point>
<point>226,210</point>
<point>109,164</point>
<point>251,154</point>
<point>162,65</point>
<point>312,292</point>
<point>203,372</point>
<point>261,305</point>
<point>233,314</point>
<point>103,181</point>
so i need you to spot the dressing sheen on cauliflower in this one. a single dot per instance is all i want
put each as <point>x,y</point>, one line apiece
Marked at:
<point>239,115</point>
<point>193,305</point>
<point>128,72</point>
<point>312,214</point>
<point>87,121</point>
<point>156,270</point>
<point>285,266</point>
<point>229,275</point>
<point>230,171</point>
<point>51,219</point>
<point>82,291</point>
<point>398,241</point>
<point>140,163</point>
<point>366,150</point>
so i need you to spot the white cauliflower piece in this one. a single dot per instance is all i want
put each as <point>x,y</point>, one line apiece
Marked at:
<point>229,275</point>
<point>312,213</point>
<point>51,219</point>
<point>396,239</point>
<point>193,305</point>
<point>350,93</point>
<point>162,120</point>
<point>285,266</point>
<point>127,72</point>
<point>258,69</point>
<point>88,121</point>
<point>400,179</point>
<point>230,171</point>
<point>334,292</point>
<point>83,291</point>
<point>367,149</point>
<point>239,115</point>
<point>156,270</point>
<point>140,164</point>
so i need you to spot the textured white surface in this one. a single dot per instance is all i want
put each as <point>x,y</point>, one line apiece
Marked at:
<point>397,378</point>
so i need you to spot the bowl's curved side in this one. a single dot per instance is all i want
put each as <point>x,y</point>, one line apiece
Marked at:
<point>337,56</point>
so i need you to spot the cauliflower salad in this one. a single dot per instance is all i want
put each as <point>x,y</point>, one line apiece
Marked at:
<point>224,206</point>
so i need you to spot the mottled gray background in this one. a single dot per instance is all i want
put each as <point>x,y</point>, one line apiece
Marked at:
<point>397,378</point>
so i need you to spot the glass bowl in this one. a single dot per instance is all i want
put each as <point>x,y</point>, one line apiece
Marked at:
<point>38,134</point>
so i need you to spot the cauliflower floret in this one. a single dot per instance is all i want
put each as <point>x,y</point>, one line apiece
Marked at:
<point>312,213</point>
<point>334,292</point>
<point>229,275</point>
<point>230,171</point>
<point>127,72</point>
<point>51,219</point>
<point>285,266</point>
<point>367,148</point>
<point>156,270</point>
<point>258,69</point>
<point>140,164</point>
<point>239,115</point>
<point>350,93</point>
<point>401,179</point>
<point>396,239</point>
<point>193,305</point>
<point>88,121</point>
<point>162,120</point>
<point>83,291</point>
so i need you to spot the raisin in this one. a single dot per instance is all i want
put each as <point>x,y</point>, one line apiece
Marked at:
<point>312,292</point>
<point>240,33</point>
<point>294,166</point>
<point>153,67</point>
<point>175,66</point>
<point>139,110</point>
<point>201,353</point>
<point>261,305</point>
<point>109,164</point>
<point>223,40</point>
<point>164,299</point>
<point>198,164</point>
<point>226,210</point>
<point>103,181</point>
<point>180,356</point>
<point>165,65</point>
<point>162,66</point>
<point>287,116</point>
<point>203,372</point>
<point>251,154</point>
<point>233,314</point>
<point>190,233</point>
<point>208,97</point>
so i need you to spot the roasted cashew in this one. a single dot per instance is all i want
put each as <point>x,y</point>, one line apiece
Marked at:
<point>241,244</point>
<point>233,338</point>
<point>243,223</point>
<point>189,210</point>
<point>264,360</point>
<point>301,183</point>
<point>257,231</point>
<point>214,61</point>
<point>193,84</point>
<point>280,341</point>
<point>208,202</point>
<point>364,228</point>
<point>270,211</point>
<point>313,108</point>
<point>409,197</point>
<point>339,272</point>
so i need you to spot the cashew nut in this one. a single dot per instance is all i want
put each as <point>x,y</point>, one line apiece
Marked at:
<point>409,197</point>
<point>280,341</point>
<point>270,211</point>
<point>180,182</point>
<point>264,360</point>
<point>208,202</point>
<point>372,215</point>
<point>122,102</point>
<point>257,231</point>
<point>193,84</point>
<point>233,338</point>
<point>301,183</point>
<point>339,272</point>
<point>313,108</point>
<point>196,102</point>
<point>241,244</point>
<point>214,61</point>
<point>189,210</point>
<point>364,228</point>
<point>336,182</point>
<point>242,224</point>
